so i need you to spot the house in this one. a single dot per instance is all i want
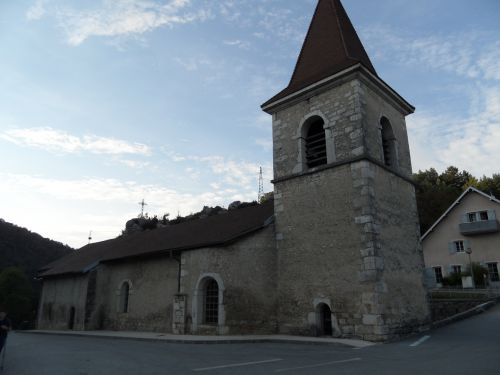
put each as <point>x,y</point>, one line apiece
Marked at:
<point>336,252</point>
<point>469,224</point>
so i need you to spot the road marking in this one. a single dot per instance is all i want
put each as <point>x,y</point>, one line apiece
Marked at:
<point>318,364</point>
<point>421,340</point>
<point>237,364</point>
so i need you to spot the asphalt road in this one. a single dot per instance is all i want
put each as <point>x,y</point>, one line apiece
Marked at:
<point>468,347</point>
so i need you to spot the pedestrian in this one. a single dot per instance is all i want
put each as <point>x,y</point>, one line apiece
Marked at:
<point>5,327</point>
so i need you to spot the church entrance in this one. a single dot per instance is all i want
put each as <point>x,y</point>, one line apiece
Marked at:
<point>71,322</point>
<point>325,320</point>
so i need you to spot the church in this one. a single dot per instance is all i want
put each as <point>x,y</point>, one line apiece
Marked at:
<point>336,252</point>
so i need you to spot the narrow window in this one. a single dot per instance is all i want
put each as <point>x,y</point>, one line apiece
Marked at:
<point>124,296</point>
<point>388,143</point>
<point>211,302</point>
<point>493,272</point>
<point>456,269</point>
<point>315,144</point>
<point>471,216</point>
<point>459,246</point>
<point>483,215</point>
<point>438,272</point>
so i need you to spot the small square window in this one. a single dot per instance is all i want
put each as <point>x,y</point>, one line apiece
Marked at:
<point>483,215</point>
<point>456,269</point>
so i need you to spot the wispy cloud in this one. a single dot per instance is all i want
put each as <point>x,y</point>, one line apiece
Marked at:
<point>59,141</point>
<point>36,11</point>
<point>237,43</point>
<point>119,18</point>
<point>462,54</point>
<point>470,142</point>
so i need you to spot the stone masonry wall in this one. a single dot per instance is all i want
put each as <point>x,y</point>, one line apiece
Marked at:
<point>247,270</point>
<point>153,286</point>
<point>59,295</point>
<point>318,244</point>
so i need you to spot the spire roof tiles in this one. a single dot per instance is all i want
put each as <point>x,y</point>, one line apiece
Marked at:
<point>331,45</point>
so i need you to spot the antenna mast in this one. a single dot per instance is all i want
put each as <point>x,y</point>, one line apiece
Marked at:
<point>90,236</point>
<point>142,203</point>
<point>261,186</point>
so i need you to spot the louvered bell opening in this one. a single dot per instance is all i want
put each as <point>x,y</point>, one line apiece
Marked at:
<point>316,145</point>
<point>387,152</point>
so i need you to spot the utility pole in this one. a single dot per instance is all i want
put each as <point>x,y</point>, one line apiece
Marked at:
<point>261,186</point>
<point>142,204</point>
<point>469,252</point>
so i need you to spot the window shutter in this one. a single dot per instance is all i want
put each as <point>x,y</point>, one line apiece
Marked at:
<point>492,215</point>
<point>466,244</point>
<point>451,248</point>
<point>465,218</point>
<point>449,270</point>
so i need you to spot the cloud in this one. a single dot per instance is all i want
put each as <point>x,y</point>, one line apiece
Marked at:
<point>58,141</point>
<point>470,142</point>
<point>265,143</point>
<point>237,43</point>
<point>462,54</point>
<point>36,11</point>
<point>125,18</point>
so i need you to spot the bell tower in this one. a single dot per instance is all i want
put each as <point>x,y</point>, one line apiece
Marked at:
<point>349,257</point>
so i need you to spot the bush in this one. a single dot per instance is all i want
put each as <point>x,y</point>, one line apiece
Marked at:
<point>480,274</point>
<point>16,296</point>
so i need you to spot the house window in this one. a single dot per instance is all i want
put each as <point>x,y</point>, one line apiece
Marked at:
<point>315,143</point>
<point>211,302</point>
<point>438,272</point>
<point>493,272</point>
<point>472,217</point>
<point>388,143</point>
<point>456,269</point>
<point>459,246</point>
<point>124,297</point>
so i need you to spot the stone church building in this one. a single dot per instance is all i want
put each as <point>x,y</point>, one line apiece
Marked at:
<point>335,253</point>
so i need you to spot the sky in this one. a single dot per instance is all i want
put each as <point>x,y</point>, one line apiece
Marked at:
<point>104,103</point>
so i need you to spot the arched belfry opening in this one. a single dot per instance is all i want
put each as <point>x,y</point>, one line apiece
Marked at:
<point>315,142</point>
<point>389,144</point>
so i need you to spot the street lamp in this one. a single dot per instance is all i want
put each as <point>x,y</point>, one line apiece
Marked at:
<point>469,251</point>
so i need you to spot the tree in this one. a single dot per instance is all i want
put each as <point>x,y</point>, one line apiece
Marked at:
<point>16,295</point>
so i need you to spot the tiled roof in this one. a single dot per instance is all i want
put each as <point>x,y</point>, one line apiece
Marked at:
<point>218,230</point>
<point>331,45</point>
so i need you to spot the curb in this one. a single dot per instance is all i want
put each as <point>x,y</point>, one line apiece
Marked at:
<point>171,340</point>
<point>466,314</point>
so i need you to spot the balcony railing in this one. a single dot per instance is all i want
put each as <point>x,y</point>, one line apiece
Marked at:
<point>478,227</point>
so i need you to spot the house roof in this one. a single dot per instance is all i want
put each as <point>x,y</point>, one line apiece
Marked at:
<point>217,230</point>
<point>454,204</point>
<point>331,45</point>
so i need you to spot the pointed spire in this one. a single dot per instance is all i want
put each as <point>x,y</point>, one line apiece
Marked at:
<point>331,45</point>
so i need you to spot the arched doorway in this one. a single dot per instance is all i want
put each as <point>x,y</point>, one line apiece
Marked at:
<point>325,320</point>
<point>71,322</point>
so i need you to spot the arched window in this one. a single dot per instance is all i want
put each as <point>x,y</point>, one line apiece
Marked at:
<point>388,143</point>
<point>315,143</point>
<point>211,302</point>
<point>124,296</point>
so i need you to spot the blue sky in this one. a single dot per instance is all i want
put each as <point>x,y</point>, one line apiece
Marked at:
<point>104,103</point>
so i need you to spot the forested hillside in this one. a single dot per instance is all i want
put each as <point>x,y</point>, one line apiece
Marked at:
<point>27,250</point>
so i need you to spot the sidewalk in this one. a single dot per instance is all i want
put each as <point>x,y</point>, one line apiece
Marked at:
<point>191,339</point>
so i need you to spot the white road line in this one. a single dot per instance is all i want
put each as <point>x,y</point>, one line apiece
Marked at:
<point>319,364</point>
<point>237,364</point>
<point>421,340</point>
